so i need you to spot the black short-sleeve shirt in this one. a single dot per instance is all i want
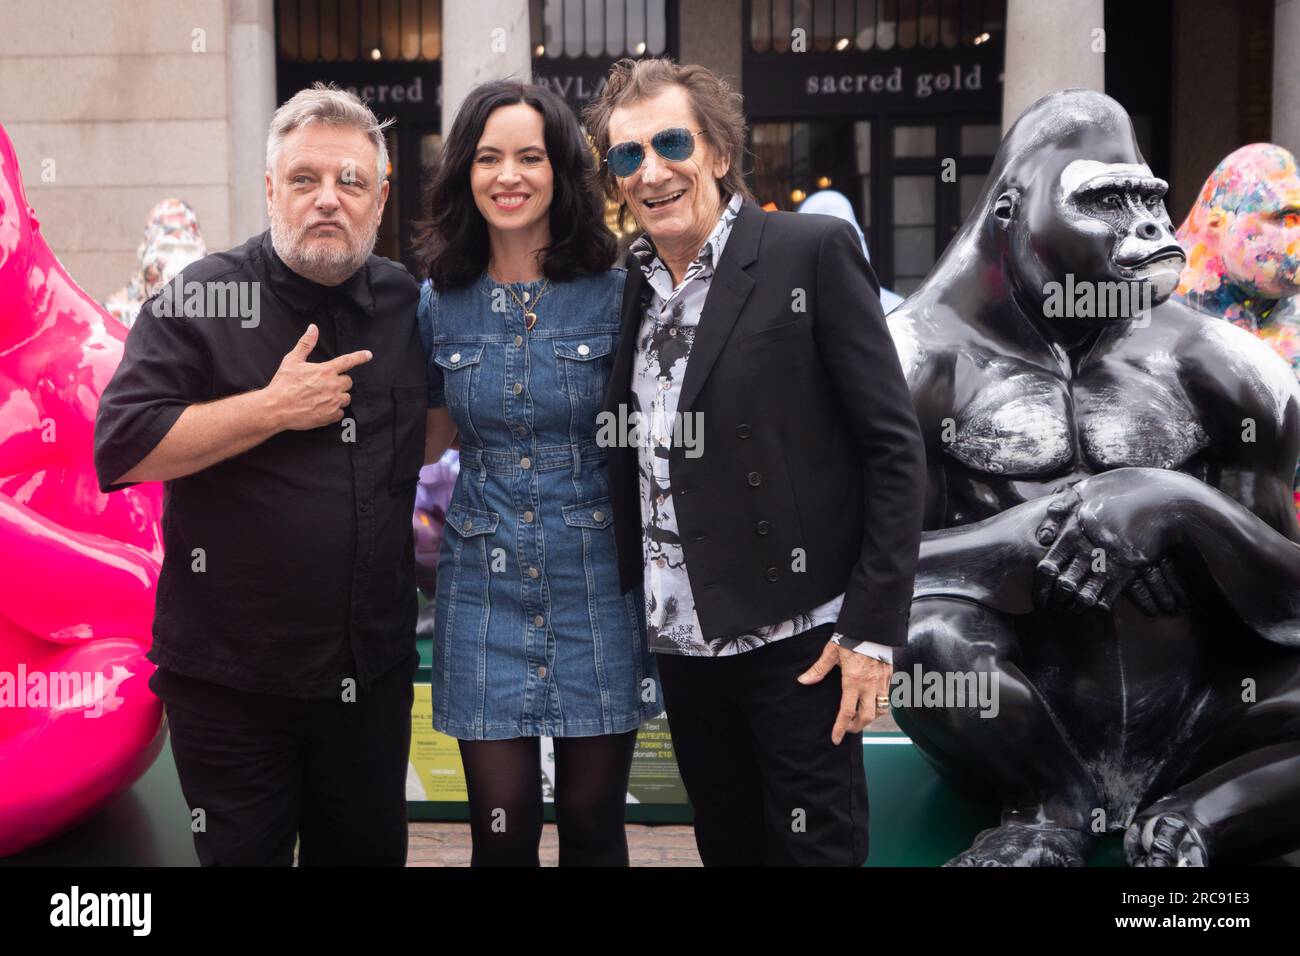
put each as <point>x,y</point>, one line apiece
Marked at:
<point>291,566</point>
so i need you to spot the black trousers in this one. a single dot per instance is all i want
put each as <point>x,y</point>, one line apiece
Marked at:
<point>754,750</point>
<point>260,771</point>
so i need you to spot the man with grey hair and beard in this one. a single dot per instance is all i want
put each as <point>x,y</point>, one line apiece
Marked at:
<point>290,441</point>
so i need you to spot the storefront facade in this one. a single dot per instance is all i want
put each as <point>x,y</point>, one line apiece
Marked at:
<point>390,54</point>
<point>895,105</point>
<point>871,98</point>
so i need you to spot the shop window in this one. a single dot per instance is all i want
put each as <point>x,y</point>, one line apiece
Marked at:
<point>598,28</point>
<point>980,139</point>
<point>348,31</point>
<point>907,211</point>
<point>914,141</point>
<point>343,31</point>
<point>848,25</point>
<point>969,185</point>
<point>914,224</point>
<point>794,160</point>
<point>862,141</point>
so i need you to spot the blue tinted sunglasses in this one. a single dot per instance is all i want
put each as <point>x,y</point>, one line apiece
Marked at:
<point>673,145</point>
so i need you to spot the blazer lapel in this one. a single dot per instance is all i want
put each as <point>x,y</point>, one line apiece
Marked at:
<point>728,290</point>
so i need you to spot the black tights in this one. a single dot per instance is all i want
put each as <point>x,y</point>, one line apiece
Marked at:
<point>504,780</point>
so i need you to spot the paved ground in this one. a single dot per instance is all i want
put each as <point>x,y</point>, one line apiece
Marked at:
<point>447,844</point>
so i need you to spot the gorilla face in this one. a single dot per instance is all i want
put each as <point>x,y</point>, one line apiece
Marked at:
<point>1129,203</point>
<point>1243,234</point>
<point>1260,248</point>
<point>1095,225</point>
<point>1073,203</point>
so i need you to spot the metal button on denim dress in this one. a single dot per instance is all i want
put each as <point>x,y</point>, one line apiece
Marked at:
<point>532,636</point>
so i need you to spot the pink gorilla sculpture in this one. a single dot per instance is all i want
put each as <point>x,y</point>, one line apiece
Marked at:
<point>78,722</point>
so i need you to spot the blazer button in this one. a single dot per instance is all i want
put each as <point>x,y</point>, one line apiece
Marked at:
<point>764,527</point>
<point>755,479</point>
<point>742,431</point>
<point>772,574</point>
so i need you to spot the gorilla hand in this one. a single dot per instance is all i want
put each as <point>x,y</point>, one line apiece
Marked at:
<point>1109,534</point>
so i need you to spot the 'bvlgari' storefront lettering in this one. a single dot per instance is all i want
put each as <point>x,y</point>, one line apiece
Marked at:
<point>573,87</point>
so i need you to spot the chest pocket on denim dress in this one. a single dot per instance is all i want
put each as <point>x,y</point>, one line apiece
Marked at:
<point>461,367</point>
<point>584,362</point>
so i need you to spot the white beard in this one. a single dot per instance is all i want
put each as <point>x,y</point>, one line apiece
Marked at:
<point>324,265</point>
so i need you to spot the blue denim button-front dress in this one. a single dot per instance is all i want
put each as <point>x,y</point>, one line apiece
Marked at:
<point>532,636</point>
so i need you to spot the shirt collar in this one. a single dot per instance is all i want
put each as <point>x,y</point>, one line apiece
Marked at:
<point>304,296</point>
<point>705,260</point>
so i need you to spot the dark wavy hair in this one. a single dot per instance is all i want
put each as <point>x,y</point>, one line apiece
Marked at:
<point>451,241</point>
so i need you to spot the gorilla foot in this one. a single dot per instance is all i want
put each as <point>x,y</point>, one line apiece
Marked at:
<point>1164,839</point>
<point>1014,844</point>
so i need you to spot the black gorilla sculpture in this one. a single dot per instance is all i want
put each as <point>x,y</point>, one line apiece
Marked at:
<point>1110,536</point>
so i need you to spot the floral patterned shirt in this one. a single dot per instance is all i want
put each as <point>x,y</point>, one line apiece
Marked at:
<point>663,347</point>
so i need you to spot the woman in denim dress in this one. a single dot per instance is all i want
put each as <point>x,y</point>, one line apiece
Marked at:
<point>519,321</point>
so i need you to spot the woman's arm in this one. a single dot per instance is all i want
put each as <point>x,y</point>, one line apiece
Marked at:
<point>439,433</point>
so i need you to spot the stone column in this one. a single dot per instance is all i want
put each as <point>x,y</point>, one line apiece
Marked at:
<point>251,78</point>
<point>1051,45</point>
<point>1286,75</point>
<point>482,40</point>
<point>710,34</point>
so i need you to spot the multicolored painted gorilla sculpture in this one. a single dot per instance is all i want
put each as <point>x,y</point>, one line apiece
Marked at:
<point>171,242</point>
<point>78,722</point>
<point>1243,249</point>
<point>1110,543</point>
<point>1242,238</point>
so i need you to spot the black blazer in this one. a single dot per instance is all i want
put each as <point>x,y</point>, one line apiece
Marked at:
<point>810,440</point>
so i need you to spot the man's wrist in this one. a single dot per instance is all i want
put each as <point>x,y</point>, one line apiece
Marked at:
<point>269,416</point>
<point>881,652</point>
<point>844,641</point>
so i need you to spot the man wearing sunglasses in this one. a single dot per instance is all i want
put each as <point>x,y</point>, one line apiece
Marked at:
<point>778,545</point>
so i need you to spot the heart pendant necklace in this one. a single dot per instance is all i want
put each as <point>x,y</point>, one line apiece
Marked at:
<point>530,315</point>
